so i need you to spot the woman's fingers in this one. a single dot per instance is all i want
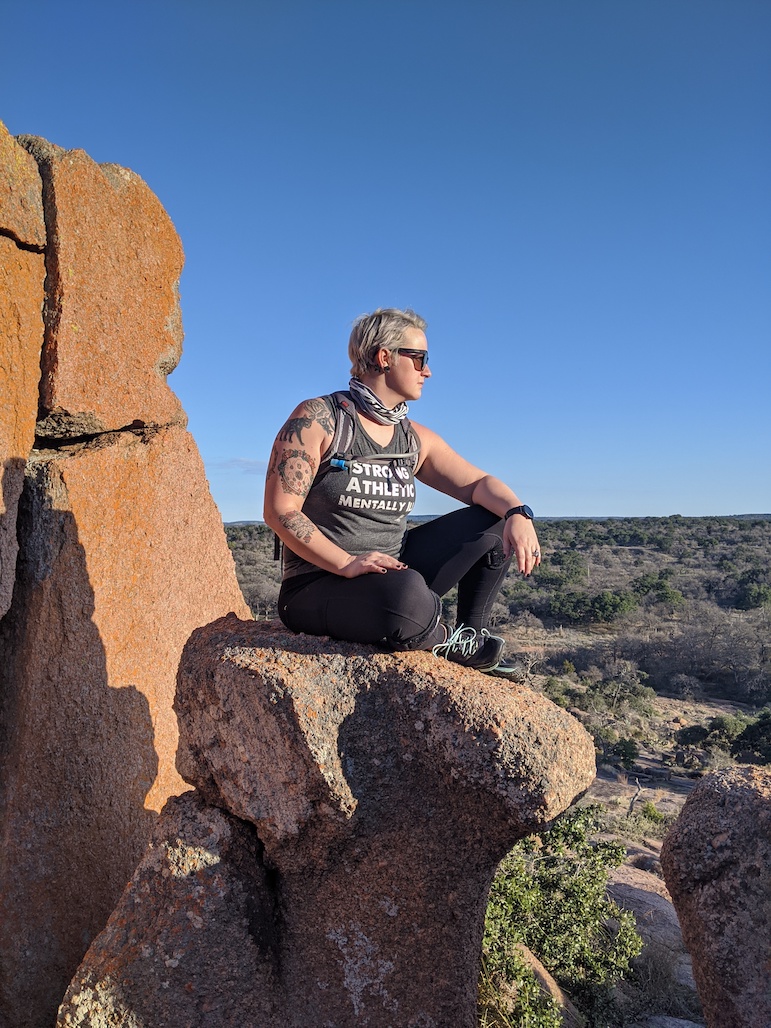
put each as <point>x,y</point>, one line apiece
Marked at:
<point>372,563</point>
<point>524,548</point>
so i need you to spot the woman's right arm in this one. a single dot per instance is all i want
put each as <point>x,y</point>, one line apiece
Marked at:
<point>294,461</point>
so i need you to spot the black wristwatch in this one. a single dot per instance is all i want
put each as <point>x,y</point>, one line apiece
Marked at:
<point>524,510</point>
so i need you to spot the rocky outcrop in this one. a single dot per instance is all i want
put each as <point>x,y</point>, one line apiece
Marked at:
<point>716,861</point>
<point>113,325</point>
<point>110,555</point>
<point>192,941</point>
<point>334,864</point>
<point>22,271</point>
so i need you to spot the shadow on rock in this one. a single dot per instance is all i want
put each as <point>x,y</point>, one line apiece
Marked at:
<point>77,762</point>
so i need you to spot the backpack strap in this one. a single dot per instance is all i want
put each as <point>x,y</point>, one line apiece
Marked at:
<point>339,453</point>
<point>339,450</point>
<point>412,436</point>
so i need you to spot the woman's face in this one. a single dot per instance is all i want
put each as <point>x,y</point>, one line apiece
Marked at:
<point>404,377</point>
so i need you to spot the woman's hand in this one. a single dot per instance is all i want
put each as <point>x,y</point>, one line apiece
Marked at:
<point>371,563</point>
<point>521,542</point>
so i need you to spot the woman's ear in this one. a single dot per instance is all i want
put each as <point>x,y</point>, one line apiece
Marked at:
<point>384,359</point>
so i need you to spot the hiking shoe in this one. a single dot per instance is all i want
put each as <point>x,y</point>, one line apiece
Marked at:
<point>469,648</point>
<point>509,667</point>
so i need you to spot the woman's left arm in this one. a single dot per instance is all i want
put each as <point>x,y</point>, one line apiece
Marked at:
<point>445,470</point>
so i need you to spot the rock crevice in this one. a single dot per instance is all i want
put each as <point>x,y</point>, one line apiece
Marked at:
<point>21,243</point>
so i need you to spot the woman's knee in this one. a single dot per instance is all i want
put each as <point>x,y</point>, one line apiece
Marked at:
<point>413,610</point>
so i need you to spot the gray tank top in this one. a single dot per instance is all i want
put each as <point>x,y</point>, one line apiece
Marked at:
<point>364,507</point>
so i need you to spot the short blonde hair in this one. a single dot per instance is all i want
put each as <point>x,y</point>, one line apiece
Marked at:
<point>381,330</point>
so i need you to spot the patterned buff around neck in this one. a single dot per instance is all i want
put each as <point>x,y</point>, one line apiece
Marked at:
<point>369,404</point>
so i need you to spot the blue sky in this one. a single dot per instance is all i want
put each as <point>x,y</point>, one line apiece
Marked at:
<point>576,196</point>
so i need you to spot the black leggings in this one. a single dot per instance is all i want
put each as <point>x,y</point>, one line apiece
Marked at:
<point>401,609</point>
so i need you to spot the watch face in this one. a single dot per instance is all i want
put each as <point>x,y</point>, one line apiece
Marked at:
<point>527,511</point>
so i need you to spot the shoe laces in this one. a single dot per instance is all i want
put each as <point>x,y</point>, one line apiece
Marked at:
<point>463,640</point>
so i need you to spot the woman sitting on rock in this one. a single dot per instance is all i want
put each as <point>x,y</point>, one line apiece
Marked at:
<point>339,487</point>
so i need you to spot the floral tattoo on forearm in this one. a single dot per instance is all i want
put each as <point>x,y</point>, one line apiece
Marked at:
<point>315,410</point>
<point>298,524</point>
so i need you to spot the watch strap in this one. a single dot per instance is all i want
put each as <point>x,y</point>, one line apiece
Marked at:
<point>523,509</point>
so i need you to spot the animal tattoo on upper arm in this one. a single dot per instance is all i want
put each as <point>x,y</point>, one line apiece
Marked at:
<point>294,427</point>
<point>314,410</point>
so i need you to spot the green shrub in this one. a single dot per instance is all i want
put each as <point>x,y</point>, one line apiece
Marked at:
<point>651,812</point>
<point>549,893</point>
<point>557,691</point>
<point>755,738</point>
<point>512,998</point>
<point>628,751</point>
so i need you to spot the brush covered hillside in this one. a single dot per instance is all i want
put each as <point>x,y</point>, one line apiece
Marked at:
<point>655,632</point>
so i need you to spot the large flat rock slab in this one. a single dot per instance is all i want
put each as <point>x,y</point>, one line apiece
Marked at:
<point>291,702</point>
<point>21,194</point>
<point>114,328</point>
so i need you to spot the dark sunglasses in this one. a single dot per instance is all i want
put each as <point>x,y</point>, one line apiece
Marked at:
<point>418,357</point>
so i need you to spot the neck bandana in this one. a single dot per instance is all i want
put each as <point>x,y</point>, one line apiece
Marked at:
<point>369,404</point>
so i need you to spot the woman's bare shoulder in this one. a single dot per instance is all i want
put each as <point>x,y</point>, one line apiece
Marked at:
<point>426,435</point>
<point>308,415</point>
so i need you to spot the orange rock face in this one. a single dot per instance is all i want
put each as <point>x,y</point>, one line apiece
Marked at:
<point>120,553</point>
<point>21,193</point>
<point>114,330</point>
<point>156,563</point>
<point>122,556</point>
<point>22,273</point>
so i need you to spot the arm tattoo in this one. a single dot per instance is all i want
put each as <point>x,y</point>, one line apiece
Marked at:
<point>314,410</point>
<point>298,524</point>
<point>296,469</point>
<point>319,411</point>
<point>294,427</point>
